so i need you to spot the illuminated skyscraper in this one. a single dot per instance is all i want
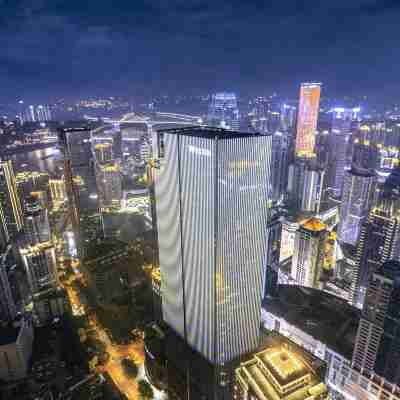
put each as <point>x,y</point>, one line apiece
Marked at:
<point>40,266</point>
<point>80,182</point>
<point>377,346</point>
<point>212,201</point>
<point>109,185</point>
<point>223,111</point>
<point>357,199</point>
<point>339,140</point>
<point>280,165</point>
<point>10,206</point>
<point>57,191</point>
<point>7,301</point>
<point>309,252</point>
<point>379,238</point>
<point>307,119</point>
<point>305,185</point>
<point>37,228</point>
<point>103,152</point>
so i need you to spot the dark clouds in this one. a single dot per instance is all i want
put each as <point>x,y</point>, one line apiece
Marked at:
<point>54,47</point>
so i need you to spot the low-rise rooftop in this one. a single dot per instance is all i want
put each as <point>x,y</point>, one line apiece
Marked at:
<point>325,317</point>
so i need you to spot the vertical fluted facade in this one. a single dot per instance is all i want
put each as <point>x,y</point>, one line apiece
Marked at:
<point>212,193</point>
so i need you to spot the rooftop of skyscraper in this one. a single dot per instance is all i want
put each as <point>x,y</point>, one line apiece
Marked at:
<point>209,132</point>
<point>325,317</point>
<point>362,172</point>
<point>314,224</point>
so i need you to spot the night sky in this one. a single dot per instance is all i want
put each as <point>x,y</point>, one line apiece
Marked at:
<point>98,47</point>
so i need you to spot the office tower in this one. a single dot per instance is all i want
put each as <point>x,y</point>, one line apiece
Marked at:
<point>305,185</point>
<point>339,138</point>
<point>357,200</point>
<point>288,117</point>
<point>8,309</point>
<point>377,347</point>
<point>309,253</point>
<point>37,227</point>
<point>103,152</point>
<point>11,210</point>
<point>108,177</point>
<point>274,234</point>
<point>57,192</point>
<point>282,370</point>
<point>307,118</point>
<point>31,181</point>
<point>223,111</point>
<point>379,238</point>
<point>212,204</point>
<point>82,198</point>
<point>280,165</point>
<point>109,185</point>
<point>40,266</point>
<point>365,155</point>
<point>259,114</point>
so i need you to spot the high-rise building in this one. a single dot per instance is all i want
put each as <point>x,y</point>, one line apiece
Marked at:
<point>223,111</point>
<point>307,119</point>
<point>339,138</point>
<point>280,165</point>
<point>274,234</point>
<point>7,301</point>
<point>37,227</point>
<point>40,266</point>
<point>365,154</point>
<point>377,346</point>
<point>212,202</point>
<point>288,117</point>
<point>58,192</point>
<point>306,185</point>
<point>103,152</point>
<point>82,198</point>
<point>31,181</point>
<point>109,185</point>
<point>379,238</point>
<point>357,199</point>
<point>10,206</point>
<point>309,253</point>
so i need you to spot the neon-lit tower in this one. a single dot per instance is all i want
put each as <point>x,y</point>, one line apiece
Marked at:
<point>11,216</point>
<point>307,119</point>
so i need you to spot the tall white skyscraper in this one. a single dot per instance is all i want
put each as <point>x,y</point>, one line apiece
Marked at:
<point>212,199</point>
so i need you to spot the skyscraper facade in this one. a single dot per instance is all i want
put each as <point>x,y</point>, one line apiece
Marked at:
<point>377,346</point>
<point>309,252</point>
<point>358,198</point>
<point>339,139</point>
<point>7,302</point>
<point>37,227</point>
<point>10,206</point>
<point>307,119</point>
<point>280,165</point>
<point>109,185</point>
<point>212,197</point>
<point>40,266</point>
<point>379,238</point>
<point>305,185</point>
